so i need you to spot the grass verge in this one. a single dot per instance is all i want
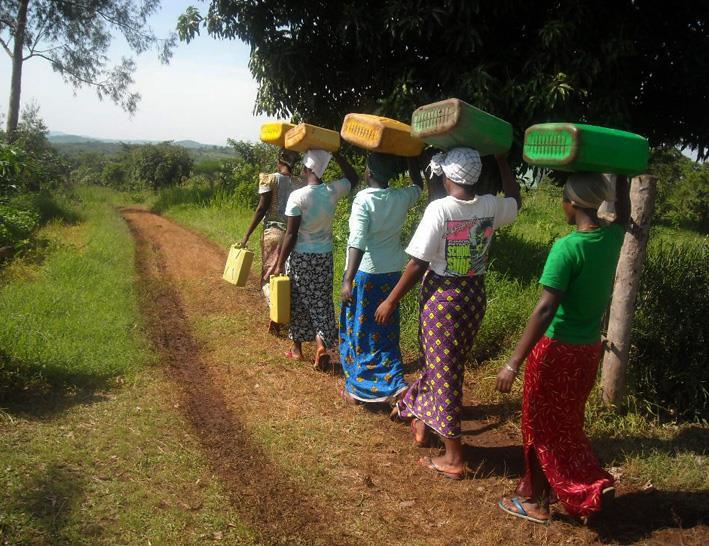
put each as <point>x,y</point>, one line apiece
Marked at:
<point>94,448</point>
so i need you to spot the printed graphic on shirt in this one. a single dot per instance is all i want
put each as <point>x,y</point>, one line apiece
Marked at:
<point>467,243</point>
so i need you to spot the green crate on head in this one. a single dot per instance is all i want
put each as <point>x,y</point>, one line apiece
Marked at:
<point>453,122</point>
<point>578,147</point>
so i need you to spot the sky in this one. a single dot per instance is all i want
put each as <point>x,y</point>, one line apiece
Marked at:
<point>206,93</point>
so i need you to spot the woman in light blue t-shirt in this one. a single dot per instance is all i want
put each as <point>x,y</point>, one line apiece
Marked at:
<point>369,352</point>
<point>306,255</point>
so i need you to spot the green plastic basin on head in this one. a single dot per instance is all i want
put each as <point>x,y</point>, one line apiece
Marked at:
<point>578,147</point>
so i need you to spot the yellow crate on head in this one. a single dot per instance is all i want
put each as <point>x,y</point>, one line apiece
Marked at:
<point>380,134</point>
<point>279,301</point>
<point>274,132</point>
<point>238,265</point>
<point>306,137</point>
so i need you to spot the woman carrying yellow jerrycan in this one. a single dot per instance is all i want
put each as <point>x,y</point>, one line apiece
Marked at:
<point>274,190</point>
<point>306,255</point>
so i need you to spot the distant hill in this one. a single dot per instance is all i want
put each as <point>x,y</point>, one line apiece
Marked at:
<point>77,144</point>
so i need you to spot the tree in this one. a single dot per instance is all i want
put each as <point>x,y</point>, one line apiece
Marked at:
<point>74,36</point>
<point>611,62</point>
<point>160,165</point>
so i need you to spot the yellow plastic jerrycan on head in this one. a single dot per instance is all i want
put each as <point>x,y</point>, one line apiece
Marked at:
<point>306,137</point>
<point>238,265</point>
<point>274,132</point>
<point>280,299</point>
<point>380,134</point>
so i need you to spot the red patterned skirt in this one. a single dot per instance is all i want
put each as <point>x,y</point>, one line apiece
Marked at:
<point>557,381</point>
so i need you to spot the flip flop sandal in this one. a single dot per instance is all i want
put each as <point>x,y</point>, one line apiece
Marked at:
<point>348,399</point>
<point>289,355</point>
<point>521,512</point>
<point>427,462</point>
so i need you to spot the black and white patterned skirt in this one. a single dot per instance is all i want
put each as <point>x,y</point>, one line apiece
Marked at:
<point>312,310</point>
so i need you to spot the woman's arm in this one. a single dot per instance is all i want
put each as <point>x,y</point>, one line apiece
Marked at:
<point>289,241</point>
<point>354,258</point>
<point>622,201</point>
<point>536,326</point>
<point>415,171</point>
<point>413,273</point>
<point>264,203</point>
<point>347,170</point>
<point>509,184</point>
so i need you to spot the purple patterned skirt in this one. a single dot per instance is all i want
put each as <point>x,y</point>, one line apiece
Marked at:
<point>452,309</point>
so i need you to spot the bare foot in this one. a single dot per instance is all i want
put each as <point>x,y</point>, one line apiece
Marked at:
<point>532,508</point>
<point>420,432</point>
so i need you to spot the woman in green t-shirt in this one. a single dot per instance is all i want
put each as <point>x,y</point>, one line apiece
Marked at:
<point>563,342</point>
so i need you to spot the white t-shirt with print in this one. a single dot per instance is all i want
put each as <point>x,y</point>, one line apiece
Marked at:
<point>454,235</point>
<point>315,204</point>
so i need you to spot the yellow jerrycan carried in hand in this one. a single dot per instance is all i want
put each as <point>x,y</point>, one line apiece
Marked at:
<point>280,299</point>
<point>238,265</point>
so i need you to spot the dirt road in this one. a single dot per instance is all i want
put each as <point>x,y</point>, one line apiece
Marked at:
<point>302,467</point>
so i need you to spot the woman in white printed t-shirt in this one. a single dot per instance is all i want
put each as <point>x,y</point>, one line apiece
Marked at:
<point>306,255</point>
<point>449,252</point>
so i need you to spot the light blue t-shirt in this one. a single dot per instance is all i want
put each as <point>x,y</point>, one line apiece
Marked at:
<point>315,204</point>
<point>378,215</point>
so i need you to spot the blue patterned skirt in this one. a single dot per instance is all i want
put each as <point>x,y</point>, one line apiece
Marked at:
<point>369,352</point>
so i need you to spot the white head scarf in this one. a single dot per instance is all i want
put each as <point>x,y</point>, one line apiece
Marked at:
<point>317,161</point>
<point>588,190</point>
<point>461,165</point>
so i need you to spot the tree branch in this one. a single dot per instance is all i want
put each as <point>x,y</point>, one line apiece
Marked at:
<point>5,47</point>
<point>64,69</point>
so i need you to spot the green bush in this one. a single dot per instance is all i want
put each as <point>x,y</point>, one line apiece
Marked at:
<point>16,225</point>
<point>668,364</point>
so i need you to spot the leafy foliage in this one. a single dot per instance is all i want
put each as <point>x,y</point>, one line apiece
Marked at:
<point>615,63</point>
<point>158,165</point>
<point>670,335</point>
<point>682,189</point>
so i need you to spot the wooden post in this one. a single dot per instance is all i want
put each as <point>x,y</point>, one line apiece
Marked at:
<point>627,278</point>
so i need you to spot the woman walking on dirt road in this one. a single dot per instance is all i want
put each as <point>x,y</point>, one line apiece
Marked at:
<point>306,255</point>
<point>370,352</point>
<point>449,252</point>
<point>562,340</point>
<point>274,190</point>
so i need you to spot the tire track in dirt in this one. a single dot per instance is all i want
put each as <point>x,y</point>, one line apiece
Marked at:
<point>266,500</point>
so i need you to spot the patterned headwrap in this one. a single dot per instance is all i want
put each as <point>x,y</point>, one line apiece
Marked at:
<point>288,157</point>
<point>317,161</point>
<point>461,165</point>
<point>384,167</point>
<point>588,190</point>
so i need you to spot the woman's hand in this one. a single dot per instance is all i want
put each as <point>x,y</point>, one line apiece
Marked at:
<point>276,269</point>
<point>384,312</point>
<point>346,291</point>
<point>506,377</point>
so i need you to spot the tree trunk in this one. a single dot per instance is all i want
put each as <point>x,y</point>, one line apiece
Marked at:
<point>13,111</point>
<point>627,279</point>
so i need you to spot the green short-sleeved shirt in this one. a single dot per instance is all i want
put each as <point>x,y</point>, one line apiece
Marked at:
<point>582,265</point>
